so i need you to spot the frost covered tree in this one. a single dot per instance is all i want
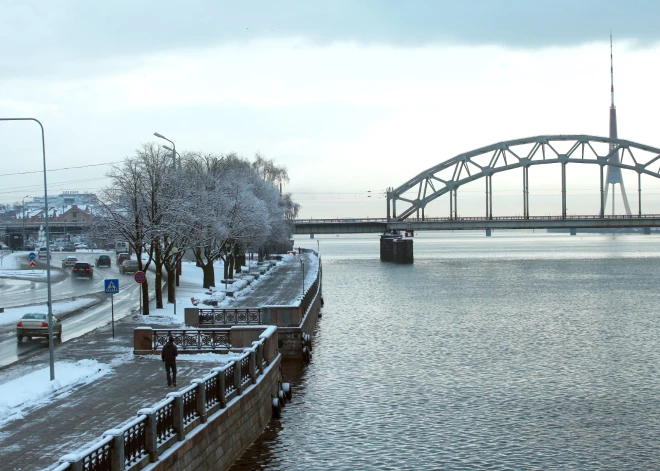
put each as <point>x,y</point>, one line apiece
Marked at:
<point>123,212</point>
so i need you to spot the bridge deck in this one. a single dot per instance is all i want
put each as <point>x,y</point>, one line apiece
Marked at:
<point>357,226</point>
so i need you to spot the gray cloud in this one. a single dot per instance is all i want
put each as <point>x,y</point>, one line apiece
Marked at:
<point>54,37</point>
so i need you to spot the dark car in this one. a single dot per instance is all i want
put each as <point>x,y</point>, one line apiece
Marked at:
<point>83,270</point>
<point>103,261</point>
<point>128,266</point>
<point>36,325</point>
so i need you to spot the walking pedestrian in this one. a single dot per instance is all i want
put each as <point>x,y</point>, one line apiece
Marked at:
<point>168,356</point>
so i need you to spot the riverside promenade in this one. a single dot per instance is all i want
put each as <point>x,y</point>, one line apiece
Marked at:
<point>71,419</point>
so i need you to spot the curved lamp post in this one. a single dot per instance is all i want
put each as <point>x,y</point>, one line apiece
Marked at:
<point>173,150</point>
<point>175,153</point>
<point>50,304</point>
<point>23,248</point>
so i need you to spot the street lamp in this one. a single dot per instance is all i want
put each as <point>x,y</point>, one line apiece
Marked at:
<point>173,150</point>
<point>174,153</point>
<point>50,298</point>
<point>24,220</point>
<point>302,264</point>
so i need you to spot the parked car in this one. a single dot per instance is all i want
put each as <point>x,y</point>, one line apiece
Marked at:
<point>103,261</point>
<point>83,270</point>
<point>36,325</point>
<point>128,266</point>
<point>68,248</point>
<point>69,262</point>
<point>122,256</point>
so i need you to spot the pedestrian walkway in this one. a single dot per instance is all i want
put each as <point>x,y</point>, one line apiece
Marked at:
<point>285,289</point>
<point>65,424</point>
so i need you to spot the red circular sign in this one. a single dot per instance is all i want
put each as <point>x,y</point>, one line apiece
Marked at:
<point>140,277</point>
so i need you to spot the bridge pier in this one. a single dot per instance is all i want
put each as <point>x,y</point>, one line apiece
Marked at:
<point>311,236</point>
<point>647,230</point>
<point>573,231</point>
<point>394,248</point>
<point>488,231</point>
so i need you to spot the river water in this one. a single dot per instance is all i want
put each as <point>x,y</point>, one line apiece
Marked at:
<point>518,351</point>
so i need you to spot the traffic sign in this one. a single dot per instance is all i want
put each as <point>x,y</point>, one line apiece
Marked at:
<point>33,263</point>
<point>32,256</point>
<point>112,286</point>
<point>140,277</point>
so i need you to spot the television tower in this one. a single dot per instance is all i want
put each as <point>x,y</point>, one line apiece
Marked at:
<point>614,173</point>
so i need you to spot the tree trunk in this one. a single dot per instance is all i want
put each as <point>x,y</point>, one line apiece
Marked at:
<point>225,266</point>
<point>145,298</point>
<point>231,267</point>
<point>158,262</point>
<point>209,275</point>
<point>170,287</point>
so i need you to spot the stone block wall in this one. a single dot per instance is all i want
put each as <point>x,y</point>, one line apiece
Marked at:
<point>227,433</point>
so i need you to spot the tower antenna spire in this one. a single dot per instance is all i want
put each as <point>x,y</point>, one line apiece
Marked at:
<point>611,70</point>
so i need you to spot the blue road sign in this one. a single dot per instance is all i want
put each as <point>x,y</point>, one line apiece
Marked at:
<point>112,286</point>
<point>32,256</point>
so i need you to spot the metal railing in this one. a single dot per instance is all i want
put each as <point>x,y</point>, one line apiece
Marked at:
<point>198,339</point>
<point>474,218</point>
<point>143,439</point>
<point>244,316</point>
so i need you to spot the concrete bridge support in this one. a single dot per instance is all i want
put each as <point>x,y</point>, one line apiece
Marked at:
<point>395,248</point>
<point>647,230</point>
<point>573,231</point>
<point>488,232</point>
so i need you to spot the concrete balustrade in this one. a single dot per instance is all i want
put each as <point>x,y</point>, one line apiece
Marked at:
<point>255,378</point>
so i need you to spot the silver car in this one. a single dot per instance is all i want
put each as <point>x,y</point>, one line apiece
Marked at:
<point>36,325</point>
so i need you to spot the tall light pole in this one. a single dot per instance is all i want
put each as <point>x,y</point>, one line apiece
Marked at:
<point>173,150</point>
<point>174,154</point>
<point>24,220</point>
<point>50,297</point>
<point>302,264</point>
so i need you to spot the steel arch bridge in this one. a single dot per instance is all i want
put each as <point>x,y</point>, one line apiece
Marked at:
<point>521,153</point>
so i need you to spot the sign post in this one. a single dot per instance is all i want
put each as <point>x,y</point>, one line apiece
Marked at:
<point>140,278</point>
<point>32,256</point>
<point>112,288</point>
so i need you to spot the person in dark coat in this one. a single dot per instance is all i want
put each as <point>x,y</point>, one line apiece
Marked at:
<point>169,355</point>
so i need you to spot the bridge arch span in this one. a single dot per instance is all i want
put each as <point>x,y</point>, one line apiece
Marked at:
<point>521,153</point>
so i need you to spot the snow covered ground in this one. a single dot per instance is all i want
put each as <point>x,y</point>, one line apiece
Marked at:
<point>26,391</point>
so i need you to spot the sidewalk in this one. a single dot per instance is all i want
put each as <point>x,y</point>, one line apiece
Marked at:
<point>68,422</point>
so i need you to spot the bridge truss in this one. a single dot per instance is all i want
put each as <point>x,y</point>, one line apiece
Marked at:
<point>449,175</point>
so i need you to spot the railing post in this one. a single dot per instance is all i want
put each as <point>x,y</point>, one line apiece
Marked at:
<point>201,398</point>
<point>117,458</point>
<point>221,385</point>
<point>252,365</point>
<point>151,433</point>
<point>237,376</point>
<point>260,357</point>
<point>178,415</point>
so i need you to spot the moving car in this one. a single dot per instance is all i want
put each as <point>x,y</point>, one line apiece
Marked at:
<point>83,270</point>
<point>103,261</point>
<point>122,256</point>
<point>36,325</point>
<point>69,262</point>
<point>128,266</point>
<point>43,252</point>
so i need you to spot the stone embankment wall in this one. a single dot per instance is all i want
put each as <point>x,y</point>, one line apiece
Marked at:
<point>227,433</point>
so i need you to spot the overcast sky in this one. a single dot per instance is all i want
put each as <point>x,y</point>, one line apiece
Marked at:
<point>351,96</point>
